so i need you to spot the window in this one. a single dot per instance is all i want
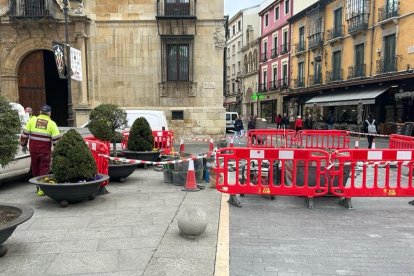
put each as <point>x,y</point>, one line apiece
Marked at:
<point>274,76</point>
<point>234,29</point>
<point>238,46</point>
<point>287,6</point>
<point>274,50</point>
<point>239,25</point>
<point>359,61</point>
<point>247,36</point>
<point>228,71</point>
<point>277,13</point>
<point>301,75</point>
<point>389,63</point>
<point>266,20</point>
<point>233,87</point>
<point>233,69</point>
<point>177,115</point>
<point>336,65</point>
<point>238,67</point>
<point>234,49</point>
<point>284,74</point>
<point>285,44</point>
<point>177,7</point>
<point>301,39</point>
<point>177,60</point>
<point>338,22</point>
<point>228,53</point>
<point>318,72</point>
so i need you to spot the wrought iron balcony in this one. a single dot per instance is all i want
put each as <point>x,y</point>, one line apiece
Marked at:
<point>263,57</point>
<point>335,75</point>
<point>315,80</point>
<point>300,47</point>
<point>176,8</point>
<point>299,82</point>
<point>387,65</point>
<point>358,23</point>
<point>262,87</point>
<point>31,9</point>
<point>283,83</point>
<point>315,40</point>
<point>284,48</point>
<point>388,11</point>
<point>273,85</point>
<point>335,33</point>
<point>274,52</point>
<point>356,71</point>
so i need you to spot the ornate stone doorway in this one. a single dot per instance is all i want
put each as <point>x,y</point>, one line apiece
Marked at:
<point>39,83</point>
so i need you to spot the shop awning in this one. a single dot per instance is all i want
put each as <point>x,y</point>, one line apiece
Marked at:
<point>347,97</point>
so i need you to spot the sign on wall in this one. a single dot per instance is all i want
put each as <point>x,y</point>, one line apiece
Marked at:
<point>76,63</point>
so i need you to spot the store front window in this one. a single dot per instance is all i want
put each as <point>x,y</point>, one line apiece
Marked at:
<point>268,110</point>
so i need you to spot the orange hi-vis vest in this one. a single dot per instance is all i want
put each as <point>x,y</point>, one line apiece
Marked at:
<point>41,132</point>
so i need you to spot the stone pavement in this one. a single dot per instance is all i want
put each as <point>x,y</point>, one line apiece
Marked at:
<point>131,231</point>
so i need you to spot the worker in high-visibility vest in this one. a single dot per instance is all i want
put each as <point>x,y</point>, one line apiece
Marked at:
<point>41,132</point>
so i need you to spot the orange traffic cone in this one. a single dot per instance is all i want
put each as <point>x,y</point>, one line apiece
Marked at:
<point>231,142</point>
<point>210,147</point>
<point>181,145</point>
<point>356,144</point>
<point>191,185</point>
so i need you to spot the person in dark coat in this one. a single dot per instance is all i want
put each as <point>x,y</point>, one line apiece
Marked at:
<point>309,122</point>
<point>285,121</point>
<point>371,127</point>
<point>279,121</point>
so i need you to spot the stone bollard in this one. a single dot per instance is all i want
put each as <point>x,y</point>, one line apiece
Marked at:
<point>192,221</point>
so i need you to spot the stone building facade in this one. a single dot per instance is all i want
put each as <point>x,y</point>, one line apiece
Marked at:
<point>138,54</point>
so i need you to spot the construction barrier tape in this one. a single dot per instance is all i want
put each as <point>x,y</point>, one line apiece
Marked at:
<point>133,161</point>
<point>368,134</point>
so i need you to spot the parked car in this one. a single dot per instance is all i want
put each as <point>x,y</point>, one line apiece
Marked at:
<point>230,119</point>
<point>20,166</point>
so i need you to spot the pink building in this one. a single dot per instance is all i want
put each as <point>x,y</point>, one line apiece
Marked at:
<point>274,73</point>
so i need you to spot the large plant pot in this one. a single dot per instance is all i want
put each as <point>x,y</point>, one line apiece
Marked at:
<point>22,212</point>
<point>152,156</point>
<point>69,192</point>
<point>120,172</point>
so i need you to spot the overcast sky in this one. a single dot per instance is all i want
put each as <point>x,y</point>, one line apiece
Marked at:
<point>231,7</point>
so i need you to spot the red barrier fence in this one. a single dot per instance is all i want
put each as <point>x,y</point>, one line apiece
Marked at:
<point>271,138</point>
<point>98,147</point>
<point>163,140</point>
<point>401,142</point>
<point>323,139</point>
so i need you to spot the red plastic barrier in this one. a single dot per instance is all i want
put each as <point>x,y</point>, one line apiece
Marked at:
<point>372,173</point>
<point>271,138</point>
<point>323,139</point>
<point>99,147</point>
<point>271,171</point>
<point>163,140</point>
<point>401,142</point>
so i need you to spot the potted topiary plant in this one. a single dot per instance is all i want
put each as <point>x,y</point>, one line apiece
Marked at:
<point>140,142</point>
<point>105,121</point>
<point>11,215</point>
<point>74,175</point>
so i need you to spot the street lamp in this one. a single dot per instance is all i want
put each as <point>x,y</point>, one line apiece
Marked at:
<point>68,65</point>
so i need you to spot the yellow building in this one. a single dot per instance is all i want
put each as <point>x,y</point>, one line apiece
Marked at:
<point>352,57</point>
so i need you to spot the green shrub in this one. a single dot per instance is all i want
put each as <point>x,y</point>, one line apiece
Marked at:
<point>140,136</point>
<point>10,127</point>
<point>72,160</point>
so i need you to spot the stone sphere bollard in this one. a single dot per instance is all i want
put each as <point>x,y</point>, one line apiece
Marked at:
<point>192,221</point>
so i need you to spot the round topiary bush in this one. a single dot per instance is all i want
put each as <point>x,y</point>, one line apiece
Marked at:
<point>140,136</point>
<point>10,125</point>
<point>105,120</point>
<point>72,161</point>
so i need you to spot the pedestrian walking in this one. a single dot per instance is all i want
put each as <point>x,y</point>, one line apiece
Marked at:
<point>279,122</point>
<point>309,122</point>
<point>370,127</point>
<point>239,128</point>
<point>285,121</point>
<point>330,119</point>
<point>40,133</point>
<point>298,123</point>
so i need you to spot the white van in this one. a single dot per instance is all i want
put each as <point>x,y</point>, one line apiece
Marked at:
<point>230,119</point>
<point>155,118</point>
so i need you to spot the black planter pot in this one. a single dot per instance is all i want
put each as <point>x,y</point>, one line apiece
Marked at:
<point>121,172</point>
<point>152,156</point>
<point>69,192</point>
<point>24,213</point>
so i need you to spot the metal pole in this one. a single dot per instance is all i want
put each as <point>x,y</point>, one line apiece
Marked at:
<point>68,65</point>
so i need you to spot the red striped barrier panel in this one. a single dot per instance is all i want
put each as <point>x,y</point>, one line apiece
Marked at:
<point>323,139</point>
<point>271,171</point>
<point>401,142</point>
<point>372,173</point>
<point>98,147</point>
<point>163,140</point>
<point>271,138</point>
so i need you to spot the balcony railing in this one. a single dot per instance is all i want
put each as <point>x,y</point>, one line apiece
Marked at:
<point>300,47</point>
<point>335,33</point>
<point>356,71</point>
<point>358,23</point>
<point>335,75</point>
<point>262,87</point>
<point>299,82</point>
<point>263,57</point>
<point>283,83</point>
<point>386,65</point>
<point>315,40</point>
<point>168,8</point>
<point>274,52</point>
<point>388,11</point>
<point>31,9</point>
<point>315,80</point>
<point>273,85</point>
<point>284,48</point>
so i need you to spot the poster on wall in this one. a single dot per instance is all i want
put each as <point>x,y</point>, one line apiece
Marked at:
<point>76,63</point>
<point>59,54</point>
